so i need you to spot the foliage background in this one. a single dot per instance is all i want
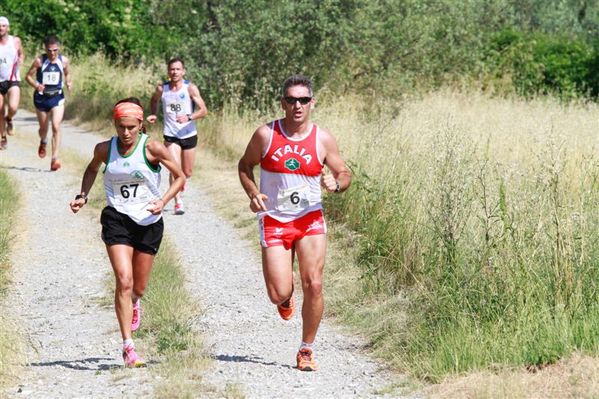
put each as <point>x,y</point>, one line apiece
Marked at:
<point>239,50</point>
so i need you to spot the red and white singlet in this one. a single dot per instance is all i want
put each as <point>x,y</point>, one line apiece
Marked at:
<point>290,174</point>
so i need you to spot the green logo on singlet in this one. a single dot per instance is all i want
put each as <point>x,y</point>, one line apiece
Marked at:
<point>126,164</point>
<point>292,164</point>
<point>137,175</point>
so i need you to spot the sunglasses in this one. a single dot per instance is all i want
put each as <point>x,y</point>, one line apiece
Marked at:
<point>302,100</point>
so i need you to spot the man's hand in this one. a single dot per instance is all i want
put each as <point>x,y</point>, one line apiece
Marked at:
<point>257,202</point>
<point>329,183</point>
<point>151,118</point>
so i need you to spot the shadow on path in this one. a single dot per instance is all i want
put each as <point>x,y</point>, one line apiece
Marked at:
<point>248,359</point>
<point>91,363</point>
<point>27,169</point>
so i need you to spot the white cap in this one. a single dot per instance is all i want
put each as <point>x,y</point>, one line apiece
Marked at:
<point>4,21</point>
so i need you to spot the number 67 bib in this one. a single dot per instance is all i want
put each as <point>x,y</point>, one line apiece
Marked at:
<point>293,199</point>
<point>131,192</point>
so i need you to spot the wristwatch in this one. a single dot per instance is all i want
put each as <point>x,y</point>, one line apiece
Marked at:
<point>80,196</point>
<point>337,187</point>
<point>189,117</point>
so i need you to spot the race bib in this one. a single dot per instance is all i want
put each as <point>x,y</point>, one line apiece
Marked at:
<point>174,108</point>
<point>50,78</point>
<point>131,192</point>
<point>293,199</point>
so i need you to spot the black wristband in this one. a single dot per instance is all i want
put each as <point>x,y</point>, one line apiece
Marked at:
<point>338,187</point>
<point>79,196</point>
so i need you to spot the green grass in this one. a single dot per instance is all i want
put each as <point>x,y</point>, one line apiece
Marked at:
<point>468,238</point>
<point>469,230</point>
<point>9,342</point>
<point>169,313</point>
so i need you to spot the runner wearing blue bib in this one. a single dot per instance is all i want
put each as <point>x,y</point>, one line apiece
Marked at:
<point>48,74</point>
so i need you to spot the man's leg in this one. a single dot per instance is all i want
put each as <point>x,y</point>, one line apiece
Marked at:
<point>175,150</point>
<point>13,97</point>
<point>311,251</point>
<point>277,267</point>
<point>42,119</point>
<point>56,114</point>
<point>188,158</point>
<point>3,139</point>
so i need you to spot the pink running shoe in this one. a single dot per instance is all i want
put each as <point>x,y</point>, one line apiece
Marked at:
<point>136,320</point>
<point>131,359</point>
<point>179,208</point>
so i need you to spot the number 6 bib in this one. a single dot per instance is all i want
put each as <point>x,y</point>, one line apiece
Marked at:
<point>293,199</point>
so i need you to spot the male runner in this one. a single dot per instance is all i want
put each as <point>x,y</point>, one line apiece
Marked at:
<point>11,57</point>
<point>182,104</point>
<point>47,75</point>
<point>292,153</point>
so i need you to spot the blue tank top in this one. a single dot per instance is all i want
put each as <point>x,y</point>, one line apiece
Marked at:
<point>50,74</point>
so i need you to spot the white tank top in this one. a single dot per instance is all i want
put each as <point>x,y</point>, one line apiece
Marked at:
<point>177,103</point>
<point>9,61</point>
<point>131,182</point>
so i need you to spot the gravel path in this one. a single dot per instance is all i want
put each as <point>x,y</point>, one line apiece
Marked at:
<point>60,264</point>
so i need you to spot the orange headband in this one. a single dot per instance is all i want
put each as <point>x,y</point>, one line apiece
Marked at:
<point>128,110</point>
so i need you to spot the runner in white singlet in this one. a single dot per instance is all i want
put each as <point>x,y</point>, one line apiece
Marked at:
<point>182,105</point>
<point>132,225</point>
<point>11,58</point>
<point>291,153</point>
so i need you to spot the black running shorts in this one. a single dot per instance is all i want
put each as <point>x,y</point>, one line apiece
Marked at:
<point>118,228</point>
<point>7,84</point>
<point>185,144</point>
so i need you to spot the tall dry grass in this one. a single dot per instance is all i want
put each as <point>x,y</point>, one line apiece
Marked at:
<point>474,222</point>
<point>469,230</point>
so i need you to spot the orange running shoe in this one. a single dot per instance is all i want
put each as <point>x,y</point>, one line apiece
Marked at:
<point>41,150</point>
<point>305,360</point>
<point>55,164</point>
<point>287,308</point>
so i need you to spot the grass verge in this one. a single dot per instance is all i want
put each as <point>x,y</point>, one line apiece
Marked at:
<point>467,241</point>
<point>9,342</point>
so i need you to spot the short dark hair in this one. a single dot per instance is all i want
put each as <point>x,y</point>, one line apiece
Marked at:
<point>297,80</point>
<point>173,60</point>
<point>51,39</point>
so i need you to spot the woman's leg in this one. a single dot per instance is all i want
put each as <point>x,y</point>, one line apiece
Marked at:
<point>142,268</point>
<point>121,259</point>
